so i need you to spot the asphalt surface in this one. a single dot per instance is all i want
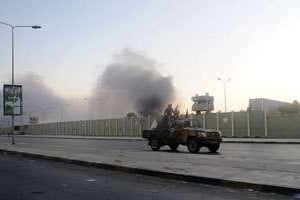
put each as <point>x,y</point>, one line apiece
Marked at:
<point>261,164</point>
<point>27,178</point>
<point>277,153</point>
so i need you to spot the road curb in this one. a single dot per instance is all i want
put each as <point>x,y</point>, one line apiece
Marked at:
<point>85,138</point>
<point>259,142</point>
<point>166,175</point>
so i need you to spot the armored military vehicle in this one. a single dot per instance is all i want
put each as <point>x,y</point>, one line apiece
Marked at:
<point>184,131</point>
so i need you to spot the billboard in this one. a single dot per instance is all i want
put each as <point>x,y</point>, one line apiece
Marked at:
<point>203,103</point>
<point>12,100</point>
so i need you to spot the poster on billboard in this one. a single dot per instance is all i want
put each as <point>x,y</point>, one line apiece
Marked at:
<point>12,100</point>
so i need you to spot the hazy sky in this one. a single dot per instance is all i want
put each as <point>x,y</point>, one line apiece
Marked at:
<point>255,43</point>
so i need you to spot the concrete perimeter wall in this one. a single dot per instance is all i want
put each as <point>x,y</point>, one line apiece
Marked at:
<point>231,124</point>
<point>252,124</point>
<point>108,127</point>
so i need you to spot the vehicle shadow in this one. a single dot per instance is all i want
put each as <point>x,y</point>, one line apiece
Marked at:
<point>201,152</point>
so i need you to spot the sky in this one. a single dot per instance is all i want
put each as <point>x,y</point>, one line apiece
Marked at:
<point>255,43</point>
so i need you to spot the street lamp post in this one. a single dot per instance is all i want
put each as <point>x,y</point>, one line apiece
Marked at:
<point>61,106</point>
<point>224,88</point>
<point>12,27</point>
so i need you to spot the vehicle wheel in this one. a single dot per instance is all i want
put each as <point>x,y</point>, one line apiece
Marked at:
<point>174,147</point>
<point>154,144</point>
<point>193,145</point>
<point>213,147</point>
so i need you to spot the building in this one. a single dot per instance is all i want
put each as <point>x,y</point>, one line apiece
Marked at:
<point>262,104</point>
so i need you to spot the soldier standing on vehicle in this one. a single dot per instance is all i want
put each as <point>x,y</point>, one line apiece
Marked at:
<point>176,113</point>
<point>169,111</point>
<point>168,114</point>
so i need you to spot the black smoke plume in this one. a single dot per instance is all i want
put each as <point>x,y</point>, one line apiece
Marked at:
<point>132,83</point>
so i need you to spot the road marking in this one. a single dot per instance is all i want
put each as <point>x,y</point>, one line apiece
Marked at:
<point>90,180</point>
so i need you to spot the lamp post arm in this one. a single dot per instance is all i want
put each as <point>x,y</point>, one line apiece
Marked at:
<point>35,26</point>
<point>6,24</point>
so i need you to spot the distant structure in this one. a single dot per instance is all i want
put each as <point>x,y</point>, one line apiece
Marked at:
<point>33,120</point>
<point>204,103</point>
<point>262,104</point>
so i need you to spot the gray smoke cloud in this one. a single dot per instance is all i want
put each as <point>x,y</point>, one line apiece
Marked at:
<point>42,102</point>
<point>132,83</point>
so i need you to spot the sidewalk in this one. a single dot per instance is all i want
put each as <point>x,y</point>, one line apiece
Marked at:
<point>225,140</point>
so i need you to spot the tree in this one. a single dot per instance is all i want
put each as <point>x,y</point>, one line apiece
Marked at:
<point>131,115</point>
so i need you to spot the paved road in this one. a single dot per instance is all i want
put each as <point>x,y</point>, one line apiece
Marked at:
<point>24,178</point>
<point>271,164</point>
<point>275,153</point>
